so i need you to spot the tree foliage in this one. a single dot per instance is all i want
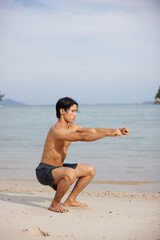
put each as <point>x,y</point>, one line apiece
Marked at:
<point>158,94</point>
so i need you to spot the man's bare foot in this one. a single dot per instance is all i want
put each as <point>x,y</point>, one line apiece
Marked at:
<point>69,203</point>
<point>57,208</point>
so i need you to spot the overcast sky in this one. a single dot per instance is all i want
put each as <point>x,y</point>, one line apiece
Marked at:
<point>96,51</point>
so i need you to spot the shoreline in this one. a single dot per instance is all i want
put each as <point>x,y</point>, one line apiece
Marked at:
<point>98,185</point>
<point>27,187</point>
<point>110,215</point>
<point>92,182</point>
<point>37,188</point>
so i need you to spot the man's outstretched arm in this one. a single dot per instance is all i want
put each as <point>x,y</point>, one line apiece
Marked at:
<point>88,134</point>
<point>109,132</point>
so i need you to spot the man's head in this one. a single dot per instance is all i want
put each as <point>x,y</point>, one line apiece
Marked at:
<point>65,104</point>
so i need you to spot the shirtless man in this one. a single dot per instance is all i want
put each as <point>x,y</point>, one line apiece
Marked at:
<point>52,171</point>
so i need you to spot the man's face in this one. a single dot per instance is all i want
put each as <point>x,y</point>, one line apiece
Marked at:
<point>70,114</point>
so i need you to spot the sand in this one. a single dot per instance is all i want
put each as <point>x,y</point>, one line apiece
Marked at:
<point>110,215</point>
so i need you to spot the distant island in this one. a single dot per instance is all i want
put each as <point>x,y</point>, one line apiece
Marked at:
<point>1,96</point>
<point>10,102</point>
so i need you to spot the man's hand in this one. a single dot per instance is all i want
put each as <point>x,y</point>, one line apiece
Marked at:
<point>117,133</point>
<point>125,131</point>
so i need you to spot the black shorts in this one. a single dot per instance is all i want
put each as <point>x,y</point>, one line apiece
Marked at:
<point>44,173</point>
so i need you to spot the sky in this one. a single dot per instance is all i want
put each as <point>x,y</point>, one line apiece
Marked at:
<point>95,51</point>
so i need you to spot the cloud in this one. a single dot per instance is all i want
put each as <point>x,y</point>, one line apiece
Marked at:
<point>58,44</point>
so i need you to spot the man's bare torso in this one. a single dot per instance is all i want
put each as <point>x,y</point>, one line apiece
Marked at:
<point>55,150</point>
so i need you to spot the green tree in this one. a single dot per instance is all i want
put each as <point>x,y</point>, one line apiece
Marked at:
<point>158,94</point>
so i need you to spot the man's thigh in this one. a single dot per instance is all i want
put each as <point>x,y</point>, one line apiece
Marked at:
<point>83,170</point>
<point>61,172</point>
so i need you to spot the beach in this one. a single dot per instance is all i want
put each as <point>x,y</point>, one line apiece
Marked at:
<point>123,199</point>
<point>109,215</point>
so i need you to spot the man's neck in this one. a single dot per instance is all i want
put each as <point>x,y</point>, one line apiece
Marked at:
<point>61,122</point>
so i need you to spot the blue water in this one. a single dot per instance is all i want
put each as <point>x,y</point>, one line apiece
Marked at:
<point>128,158</point>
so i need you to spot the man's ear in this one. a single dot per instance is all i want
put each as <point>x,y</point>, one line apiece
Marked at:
<point>62,111</point>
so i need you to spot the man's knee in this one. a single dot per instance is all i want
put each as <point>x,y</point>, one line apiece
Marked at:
<point>92,171</point>
<point>70,175</point>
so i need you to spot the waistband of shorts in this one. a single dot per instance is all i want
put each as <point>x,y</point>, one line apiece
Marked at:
<point>47,165</point>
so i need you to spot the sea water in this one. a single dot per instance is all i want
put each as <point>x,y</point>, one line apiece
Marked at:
<point>128,158</point>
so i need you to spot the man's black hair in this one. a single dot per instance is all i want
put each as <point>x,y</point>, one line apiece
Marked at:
<point>64,103</point>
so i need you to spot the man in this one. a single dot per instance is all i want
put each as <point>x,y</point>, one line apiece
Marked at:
<point>52,171</point>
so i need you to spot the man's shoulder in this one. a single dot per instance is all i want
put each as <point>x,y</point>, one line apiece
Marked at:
<point>55,129</point>
<point>52,128</point>
<point>55,132</point>
<point>76,127</point>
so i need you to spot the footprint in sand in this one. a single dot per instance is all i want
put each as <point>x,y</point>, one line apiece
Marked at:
<point>36,231</point>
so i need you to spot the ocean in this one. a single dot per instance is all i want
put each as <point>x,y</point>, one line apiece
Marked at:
<point>121,162</point>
